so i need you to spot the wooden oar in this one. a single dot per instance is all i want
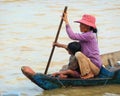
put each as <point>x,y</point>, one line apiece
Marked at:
<point>53,48</point>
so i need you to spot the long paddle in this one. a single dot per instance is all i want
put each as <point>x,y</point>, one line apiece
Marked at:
<point>53,48</point>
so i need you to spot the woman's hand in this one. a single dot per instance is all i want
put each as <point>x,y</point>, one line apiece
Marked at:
<point>65,18</point>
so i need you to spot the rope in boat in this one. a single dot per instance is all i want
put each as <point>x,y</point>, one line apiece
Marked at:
<point>60,82</point>
<point>57,78</point>
<point>106,81</point>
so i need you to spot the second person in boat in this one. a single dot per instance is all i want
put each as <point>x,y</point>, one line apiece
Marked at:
<point>72,69</point>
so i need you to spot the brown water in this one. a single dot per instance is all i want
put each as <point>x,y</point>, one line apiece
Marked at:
<point>85,91</point>
<point>27,30</point>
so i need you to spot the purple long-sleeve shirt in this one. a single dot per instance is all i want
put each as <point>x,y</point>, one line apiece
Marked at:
<point>88,43</point>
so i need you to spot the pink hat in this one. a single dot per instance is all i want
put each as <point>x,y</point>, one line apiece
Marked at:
<point>87,20</point>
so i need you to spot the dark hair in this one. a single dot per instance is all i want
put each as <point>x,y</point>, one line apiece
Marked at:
<point>93,29</point>
<point>74,47</point>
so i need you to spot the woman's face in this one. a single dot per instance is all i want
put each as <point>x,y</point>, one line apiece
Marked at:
<point>84,28</point>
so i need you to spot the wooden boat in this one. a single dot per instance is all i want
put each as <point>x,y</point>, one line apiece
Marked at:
<point>108,75</point>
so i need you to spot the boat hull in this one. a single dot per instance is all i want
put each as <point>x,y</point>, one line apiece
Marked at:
<point>47,82</point>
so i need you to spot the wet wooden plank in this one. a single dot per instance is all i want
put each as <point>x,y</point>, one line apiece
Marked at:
<point>110,58</point>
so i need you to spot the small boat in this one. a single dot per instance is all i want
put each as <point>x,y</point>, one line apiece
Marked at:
<point>109,74</point>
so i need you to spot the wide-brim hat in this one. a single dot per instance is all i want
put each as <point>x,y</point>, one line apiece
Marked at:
<point>88,20</point>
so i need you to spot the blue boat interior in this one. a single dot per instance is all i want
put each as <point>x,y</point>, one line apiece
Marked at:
<point>110,72</point>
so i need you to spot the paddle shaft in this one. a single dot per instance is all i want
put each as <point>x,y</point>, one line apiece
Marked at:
<point>53,48</point>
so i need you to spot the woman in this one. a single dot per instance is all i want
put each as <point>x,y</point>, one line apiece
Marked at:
<point>89,59</point>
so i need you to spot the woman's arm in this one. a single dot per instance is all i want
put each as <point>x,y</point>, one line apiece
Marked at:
<point>75,36</point>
